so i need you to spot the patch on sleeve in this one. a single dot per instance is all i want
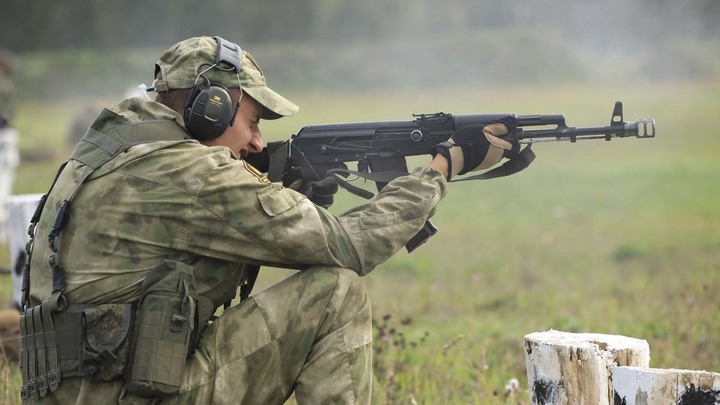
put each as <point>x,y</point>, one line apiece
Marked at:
<point>255,172</point>
<point>275,200</point>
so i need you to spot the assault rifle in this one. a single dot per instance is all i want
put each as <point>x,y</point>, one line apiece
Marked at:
<point>380,148</point>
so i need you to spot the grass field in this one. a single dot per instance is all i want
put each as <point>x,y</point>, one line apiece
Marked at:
<point>618,237</point>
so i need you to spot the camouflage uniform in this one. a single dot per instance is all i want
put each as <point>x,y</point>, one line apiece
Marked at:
<point>177,199</point>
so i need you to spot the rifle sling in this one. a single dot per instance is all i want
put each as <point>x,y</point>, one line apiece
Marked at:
<point>512,166</point>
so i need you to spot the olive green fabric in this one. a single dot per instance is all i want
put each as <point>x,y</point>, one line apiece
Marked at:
<point>311,333</point>
<point>180,200</point>
<point>163,330</point>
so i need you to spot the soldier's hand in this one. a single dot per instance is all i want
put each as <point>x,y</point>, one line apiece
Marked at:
<point>477,147</point>
<point>321,192</point>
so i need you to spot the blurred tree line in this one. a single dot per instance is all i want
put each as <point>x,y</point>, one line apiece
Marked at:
<point>75,45</point>
<point>49,24</point>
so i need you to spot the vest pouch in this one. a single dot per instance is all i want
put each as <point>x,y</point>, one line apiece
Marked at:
<point>165,322</point>
<point>87,341</point>
<point>106,345</point>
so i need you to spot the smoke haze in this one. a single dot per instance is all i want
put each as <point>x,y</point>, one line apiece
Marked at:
<point>383,44</point>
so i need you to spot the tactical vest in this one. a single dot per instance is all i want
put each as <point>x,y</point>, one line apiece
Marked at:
<point>146,342</point>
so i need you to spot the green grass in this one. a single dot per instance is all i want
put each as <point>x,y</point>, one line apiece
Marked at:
<point>618,237</point>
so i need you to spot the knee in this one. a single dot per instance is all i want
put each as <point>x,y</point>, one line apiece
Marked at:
<point>349,301</point>
<point>346,278</point>
<point>351,286</point>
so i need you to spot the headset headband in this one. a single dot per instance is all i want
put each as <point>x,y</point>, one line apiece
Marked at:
<point>228,52</point>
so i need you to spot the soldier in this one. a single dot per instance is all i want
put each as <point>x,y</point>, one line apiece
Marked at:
<point>156,220</point>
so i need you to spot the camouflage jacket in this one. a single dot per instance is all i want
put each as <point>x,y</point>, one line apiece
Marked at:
<point>177,199</point>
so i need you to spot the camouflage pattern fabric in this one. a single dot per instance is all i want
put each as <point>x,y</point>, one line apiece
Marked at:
<point>178,66</point>
<point>311,333</point>
<point>107,328</point>
<point>179,200</point>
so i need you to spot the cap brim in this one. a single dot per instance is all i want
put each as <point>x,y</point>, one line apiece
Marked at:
<point>275,105</point>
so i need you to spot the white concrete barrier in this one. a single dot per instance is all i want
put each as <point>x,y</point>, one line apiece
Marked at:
<point>648,386</point>
<point>9,159</point>
<point>576,368</point>
<point>21,209</point>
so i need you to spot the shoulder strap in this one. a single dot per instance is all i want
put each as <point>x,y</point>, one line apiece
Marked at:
<point>95,149</point>
<point>98,147</point>
<point>25,289</point>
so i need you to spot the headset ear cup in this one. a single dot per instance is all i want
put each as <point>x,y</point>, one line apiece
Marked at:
<point>196,89</point>
<point>208,111</point>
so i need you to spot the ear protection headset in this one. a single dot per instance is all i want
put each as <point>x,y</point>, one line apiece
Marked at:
<point>209,108</point>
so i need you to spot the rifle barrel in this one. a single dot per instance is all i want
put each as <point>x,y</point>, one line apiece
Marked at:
<point>644,128</point>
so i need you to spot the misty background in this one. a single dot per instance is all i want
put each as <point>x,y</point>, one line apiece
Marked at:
<point>96,47</point>
<point>606,237</point>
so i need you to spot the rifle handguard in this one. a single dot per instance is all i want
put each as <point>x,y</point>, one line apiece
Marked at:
<point>443,148</point>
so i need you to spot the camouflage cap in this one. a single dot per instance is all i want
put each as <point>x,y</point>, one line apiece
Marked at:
<point>178,68</point>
